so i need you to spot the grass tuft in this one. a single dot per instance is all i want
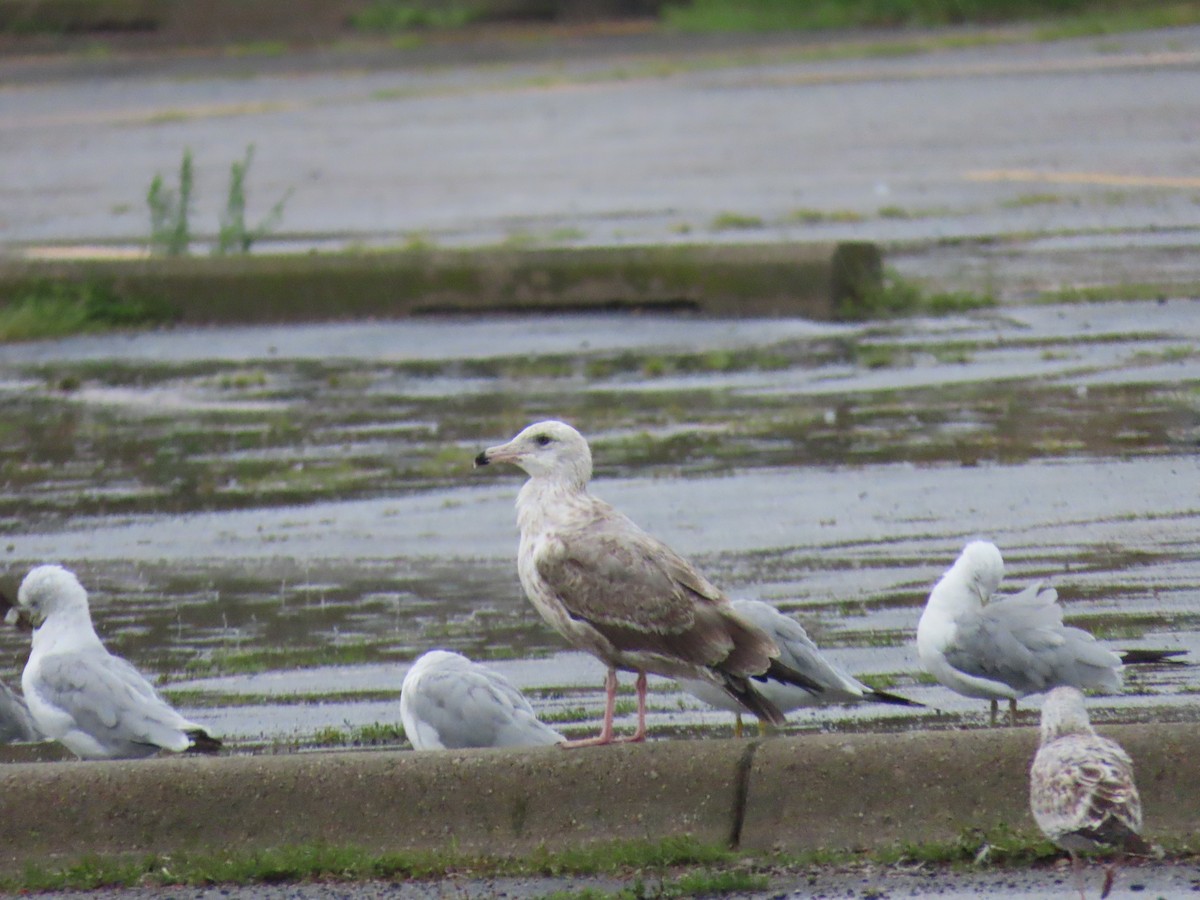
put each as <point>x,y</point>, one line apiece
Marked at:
<point>1070,17</point>
<point>900,297</point>
<point>48,309</point>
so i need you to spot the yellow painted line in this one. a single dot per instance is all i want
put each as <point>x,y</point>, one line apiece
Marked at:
<point>1105,179</point>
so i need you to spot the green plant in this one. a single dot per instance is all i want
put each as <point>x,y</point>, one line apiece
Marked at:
<point>233,235</point>
<point>169,209</point>
<point>774,15</point>
<point>398,15</point>
<point>730,220</point>
<point>44,309</point>
<point>898,296</point>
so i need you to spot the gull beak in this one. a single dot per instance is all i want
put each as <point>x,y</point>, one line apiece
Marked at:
<point>499,453</point>
<point>19,618</point>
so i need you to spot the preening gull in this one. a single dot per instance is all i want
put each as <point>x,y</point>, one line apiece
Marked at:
<point>613,590</point>
<point>995,648</point>
<point>798,651</point>
<point>448,702</point>
<point>1081,789</point>
<point>95,703</point>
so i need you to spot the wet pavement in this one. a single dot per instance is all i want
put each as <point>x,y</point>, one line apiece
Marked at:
<point>894,138</point>
<point>277,520</point>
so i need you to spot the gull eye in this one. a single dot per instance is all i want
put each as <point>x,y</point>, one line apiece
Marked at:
<point>543,440</point>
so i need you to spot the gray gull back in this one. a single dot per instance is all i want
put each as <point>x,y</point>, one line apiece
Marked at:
<point>449,702</point>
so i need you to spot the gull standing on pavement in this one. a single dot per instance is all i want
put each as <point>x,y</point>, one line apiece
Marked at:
<point>613,590</point>
<point>797,651</point>
<point>78,693</point>
<point>1004,648</point>
<point>1081,789</point>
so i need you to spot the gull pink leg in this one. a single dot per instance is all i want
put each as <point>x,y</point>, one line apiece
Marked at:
<point>639,735</point>
<point>1077,870</point>
<point>610,707</point>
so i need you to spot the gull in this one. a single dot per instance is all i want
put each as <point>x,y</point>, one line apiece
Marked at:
<point>1081,789</point>
<point>448,702</point>
<point>79,694</point>
<point>797,651</point>
<point>995,648</point>
<point>613,590</point>
<point>15,722</point>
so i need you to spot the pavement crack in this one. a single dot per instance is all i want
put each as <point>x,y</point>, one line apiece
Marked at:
<point>741,791</point>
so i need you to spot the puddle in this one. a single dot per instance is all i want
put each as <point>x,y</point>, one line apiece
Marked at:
<point>275,521</point>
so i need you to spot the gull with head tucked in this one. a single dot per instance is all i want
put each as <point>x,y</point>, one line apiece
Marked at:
<point>1004,648</point>
<point>95,703</point>
<point>1081,788</point>
<point>448,702</point>
<point>613,590</point>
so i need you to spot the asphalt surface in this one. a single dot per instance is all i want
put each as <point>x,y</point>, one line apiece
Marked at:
<point>1080,154</point>
<point>1087,144</point>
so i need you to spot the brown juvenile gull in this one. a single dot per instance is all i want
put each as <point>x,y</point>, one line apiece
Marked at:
<point>625,597</point>
<point>797,651</point>
<point>79,694</point>
<point>1081,788</point>
<point>994,648</point>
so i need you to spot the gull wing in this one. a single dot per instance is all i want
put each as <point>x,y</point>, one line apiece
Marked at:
<point>108,699</point>
<point>1082,786</point>
<point>469,707</point>
<point>643,597</point>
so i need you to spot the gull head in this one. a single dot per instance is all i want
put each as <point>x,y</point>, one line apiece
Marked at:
<point>47,590</point>
<point>1064,713</point>
<point>981,567</point>
<point>548,449</point>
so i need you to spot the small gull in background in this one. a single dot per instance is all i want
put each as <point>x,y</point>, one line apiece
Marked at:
<point>625,597</point>
<point>1005,648</point>
<point>448,702</point>
<point>15,722</point>
<point>797,651</point>
<point>78,693</point>
<point>1081,789</point>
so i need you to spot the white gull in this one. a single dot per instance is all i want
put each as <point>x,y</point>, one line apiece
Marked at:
<point>797,651</point>
<point>613,590</point>
<point>78,693</point>
<point>15,722</point>
<point>1004,648</point>
<point>449,702</point>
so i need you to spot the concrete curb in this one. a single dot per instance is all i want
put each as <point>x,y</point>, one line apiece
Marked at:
<point>812,280</point>
<point>793,794</point>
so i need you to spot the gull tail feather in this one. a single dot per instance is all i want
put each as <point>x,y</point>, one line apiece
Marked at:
<point>1136,845</point>
<point>1150,657</point>
<point>203,742</point>
<point>894,699</point>
<point>778,671</point>
<point>742,690</point>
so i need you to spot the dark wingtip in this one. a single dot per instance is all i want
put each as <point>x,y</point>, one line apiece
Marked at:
<point>894,699</point>
<point>203,742</point>
<point>481,459</point>
<point>1150,657</point>
<point>782,672</point>
<point>742,690</point>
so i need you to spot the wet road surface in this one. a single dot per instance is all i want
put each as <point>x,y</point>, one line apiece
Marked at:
<point>278,520</point>
<point>793,139</point>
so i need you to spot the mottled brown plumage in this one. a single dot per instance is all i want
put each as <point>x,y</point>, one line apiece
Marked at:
<point>611,589</point>
<point>1081,788</point>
